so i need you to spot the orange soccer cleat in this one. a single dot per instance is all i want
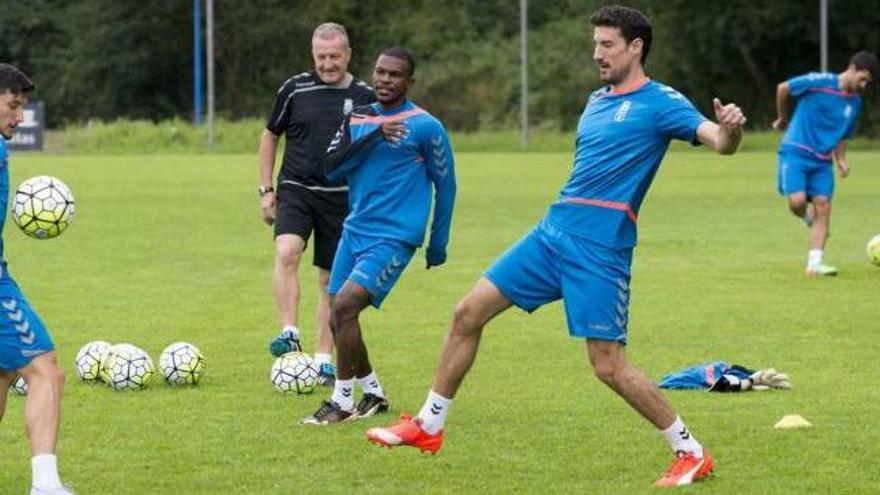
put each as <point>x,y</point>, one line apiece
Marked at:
<point>686,468</point>
<point>407,431</point>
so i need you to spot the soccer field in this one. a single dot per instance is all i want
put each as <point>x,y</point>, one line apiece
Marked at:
<point>168,248</point>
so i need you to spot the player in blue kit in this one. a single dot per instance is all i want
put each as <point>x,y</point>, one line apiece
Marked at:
<point>392,153</point>
<point>828,106</point>
<point>582,250</point>
<point>25,345</point>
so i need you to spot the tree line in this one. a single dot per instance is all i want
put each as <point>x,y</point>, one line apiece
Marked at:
<point>108,59</point>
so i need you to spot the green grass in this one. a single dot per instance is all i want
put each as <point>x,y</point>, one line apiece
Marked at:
<point>170,247</point>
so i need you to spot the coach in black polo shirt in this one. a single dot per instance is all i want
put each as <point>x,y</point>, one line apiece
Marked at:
<point>307,111</point>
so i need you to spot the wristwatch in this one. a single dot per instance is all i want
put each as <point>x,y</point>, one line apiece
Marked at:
<point>263,190</point>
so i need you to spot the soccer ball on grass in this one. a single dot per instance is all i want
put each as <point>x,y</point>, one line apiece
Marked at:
<point>873,249</point>
<point>43,207</point>
<point>127,367</point>
<point>294,372</point>
<point>19,386</point>
<point>181,363</point>
<point>89,359</point>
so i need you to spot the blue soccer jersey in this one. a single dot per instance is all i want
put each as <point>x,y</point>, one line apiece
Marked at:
<point>824,115</point>
<point>621,140</point>
<point>390,184</point>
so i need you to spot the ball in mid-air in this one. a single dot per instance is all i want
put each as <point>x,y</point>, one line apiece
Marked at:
<point>294,372</point>
<point>43,207</point>
<point>181,363</point>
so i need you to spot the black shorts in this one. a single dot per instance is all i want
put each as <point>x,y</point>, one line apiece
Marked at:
<point>301,210</point>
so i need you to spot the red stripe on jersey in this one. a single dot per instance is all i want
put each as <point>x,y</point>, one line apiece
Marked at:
<point>614,205</point>
<point>832,91</point>
<point>357,119</point>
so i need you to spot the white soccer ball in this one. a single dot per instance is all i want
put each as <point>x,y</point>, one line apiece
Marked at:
<point>294,372</point>
<point>43,207</point>
<point>19,386</point>
<point>127,367</point>
<point>873,249</point>
<point>181,363</point>
<point>89,359</point>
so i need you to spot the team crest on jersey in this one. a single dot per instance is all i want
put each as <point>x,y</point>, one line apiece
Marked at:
<point>347,106</point>
<point>621,112</point>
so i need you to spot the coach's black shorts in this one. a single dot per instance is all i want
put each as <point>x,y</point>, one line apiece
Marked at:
<point>301,210</point>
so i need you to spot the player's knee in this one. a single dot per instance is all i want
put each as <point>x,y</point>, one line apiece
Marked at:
<point>48,372</point>
<point>288,254</point>
<point>822,206</point>
<point>345,309</point>
<point>466,318</point>
<point>797,205</point>
<point>605,370</point>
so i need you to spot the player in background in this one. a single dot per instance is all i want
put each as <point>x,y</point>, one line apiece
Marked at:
<point>25,345</point>
<point>392,153</point>
<point>828,106</point>
<point>581,251</point>
<point>307,111</point>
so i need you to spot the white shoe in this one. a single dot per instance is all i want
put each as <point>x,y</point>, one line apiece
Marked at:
<point>58,490</point>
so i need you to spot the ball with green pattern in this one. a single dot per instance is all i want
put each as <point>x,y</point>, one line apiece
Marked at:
<point>43,207</point>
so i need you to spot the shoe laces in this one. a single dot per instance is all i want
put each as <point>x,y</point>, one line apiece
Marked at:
<point>679,466</point>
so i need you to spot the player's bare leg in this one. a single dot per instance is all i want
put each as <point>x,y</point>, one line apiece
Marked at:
<point>425,432</point>
<point>42,413</point>
<point>819,231</point>
<point>612,367</point>
<point>472,313</point>
<point>288,253</point>
<point>6,380</point>
<point>45,381</point>
<point>351,358</point>
<point>324,337</point>
<point>818,237</point>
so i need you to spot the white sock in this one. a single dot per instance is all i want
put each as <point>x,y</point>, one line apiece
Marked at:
<point>292,329</point>
<point>343,394</point>
<point>45,471</point>
<point>370,385</point>
<point>322,358</point>
<point>814,259</point>
<point>680,438</point>
<point>433,413</point>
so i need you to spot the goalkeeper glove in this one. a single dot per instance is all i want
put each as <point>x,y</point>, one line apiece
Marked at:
<point>769,378</point>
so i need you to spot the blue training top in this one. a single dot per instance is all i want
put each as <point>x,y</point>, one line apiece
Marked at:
<point>390,183</point>
<point>824,115</point>
<point>621,140</point>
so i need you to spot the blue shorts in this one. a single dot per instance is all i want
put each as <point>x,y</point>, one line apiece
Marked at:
<point>22,335</point>
<point>371,262</point>
<point>592,280</point>
<point>799,173</point>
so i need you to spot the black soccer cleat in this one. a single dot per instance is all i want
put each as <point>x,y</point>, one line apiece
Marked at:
<point>329,413</point>
<point>371,405</point>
